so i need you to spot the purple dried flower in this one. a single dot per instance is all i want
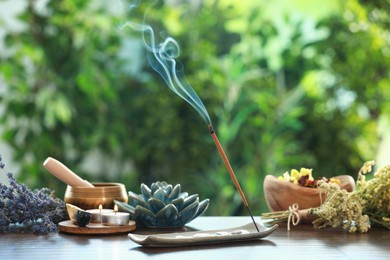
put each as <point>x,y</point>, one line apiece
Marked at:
<point>23,210</point>
<point>1,163</point>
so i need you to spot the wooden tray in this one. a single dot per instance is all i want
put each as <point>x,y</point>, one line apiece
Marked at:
<point>95,228</point>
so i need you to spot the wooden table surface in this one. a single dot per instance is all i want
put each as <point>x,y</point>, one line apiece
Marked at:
<point>302,242</point>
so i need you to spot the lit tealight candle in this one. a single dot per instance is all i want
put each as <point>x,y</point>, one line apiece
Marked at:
<point>116,218</point>
<point>96,214</point>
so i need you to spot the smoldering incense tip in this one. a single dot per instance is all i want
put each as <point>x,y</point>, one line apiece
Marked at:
<point>231,172</point>
<point>211,129</point>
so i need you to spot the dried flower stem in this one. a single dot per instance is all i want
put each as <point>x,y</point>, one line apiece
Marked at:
<point>292,215</point>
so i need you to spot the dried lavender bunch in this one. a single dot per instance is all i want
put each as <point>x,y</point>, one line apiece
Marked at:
<point>375,194</point>
<point>23,210</point>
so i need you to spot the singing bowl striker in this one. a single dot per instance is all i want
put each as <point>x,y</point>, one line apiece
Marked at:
<point>103,193</point>
<point>280,194</point>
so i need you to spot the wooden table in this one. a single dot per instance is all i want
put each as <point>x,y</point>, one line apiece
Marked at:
<point>302,242</point>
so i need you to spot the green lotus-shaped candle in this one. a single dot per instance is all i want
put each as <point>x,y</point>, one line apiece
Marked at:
<point>163,205</point>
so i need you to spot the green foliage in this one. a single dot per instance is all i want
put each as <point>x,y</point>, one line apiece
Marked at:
<point>283,92</point>
<point>58,91</point>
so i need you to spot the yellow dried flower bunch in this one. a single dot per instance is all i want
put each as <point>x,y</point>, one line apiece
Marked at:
<point>375,193</point>
<point>341,208</point>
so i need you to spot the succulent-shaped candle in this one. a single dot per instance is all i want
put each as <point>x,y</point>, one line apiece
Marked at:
<point>163,205</point>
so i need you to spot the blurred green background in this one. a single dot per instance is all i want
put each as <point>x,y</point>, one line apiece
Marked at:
<point>287,84</point>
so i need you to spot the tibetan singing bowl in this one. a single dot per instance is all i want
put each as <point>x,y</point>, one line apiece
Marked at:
<point>280,194</point>
<point>103,193</point>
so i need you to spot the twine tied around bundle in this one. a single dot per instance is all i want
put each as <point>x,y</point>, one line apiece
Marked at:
<point>293,216</point>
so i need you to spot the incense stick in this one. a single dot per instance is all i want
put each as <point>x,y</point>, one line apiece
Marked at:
<point>231,172</point>
<point>162,58</point>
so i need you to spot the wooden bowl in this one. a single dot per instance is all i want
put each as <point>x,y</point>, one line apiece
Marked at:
<point>280,194</point>
<point>103,193</point>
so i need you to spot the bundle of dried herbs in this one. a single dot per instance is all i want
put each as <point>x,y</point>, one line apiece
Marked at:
<point>354,211</point>
<point>341,208</point>
<point>375,194</point>
<point>23,210</point>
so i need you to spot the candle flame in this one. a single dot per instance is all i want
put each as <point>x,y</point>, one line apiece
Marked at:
<point>100,207</point>
<point>115,208</point>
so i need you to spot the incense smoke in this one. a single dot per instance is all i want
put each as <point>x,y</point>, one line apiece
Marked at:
<point>162,57</point>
